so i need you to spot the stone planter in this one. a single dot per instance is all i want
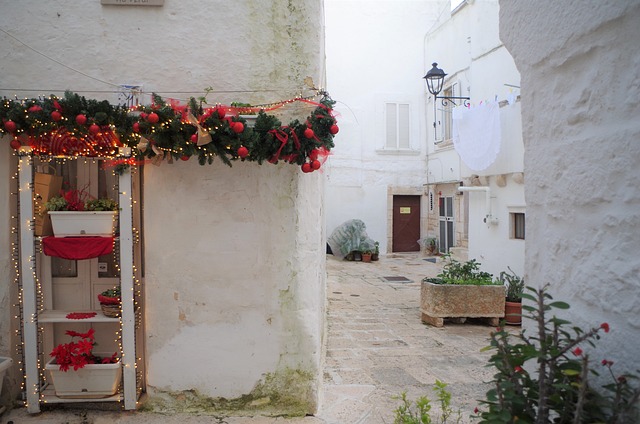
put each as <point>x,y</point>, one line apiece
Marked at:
<point>82,223</point>
<point>440,301</point>
<point>93,381</point>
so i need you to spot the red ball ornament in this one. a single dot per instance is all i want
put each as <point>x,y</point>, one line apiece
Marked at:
<point>56,116</point>
<point>153,118</point>
<point>10,126</point>
<point>94,129</point>
<point>81,119</point>
<point>334,129</point>
<point>15,144</point>
<point>35,108</point>
<point>222,111</point>
<point>194,138</point>
<point>143,115</point>
<point>313,155</point>
<point>308,133</point>
<point>136,127</point>
<point>316,164</point>
<point>243,152</point>
<point>185,158</point>
<point>237,127</point>
<point>306,167</point>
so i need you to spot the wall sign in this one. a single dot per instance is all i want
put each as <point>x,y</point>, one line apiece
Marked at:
<point>405,210</point>
<point>134,2</point>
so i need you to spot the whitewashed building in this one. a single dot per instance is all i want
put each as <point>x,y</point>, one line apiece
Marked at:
<point>579,64</point>
<point>225,313</point>
<point>474,155</point>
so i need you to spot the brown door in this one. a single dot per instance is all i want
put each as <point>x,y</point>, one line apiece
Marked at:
<point>406,223</point>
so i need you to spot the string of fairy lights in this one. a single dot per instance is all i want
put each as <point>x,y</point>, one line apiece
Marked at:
<point>29,223</point>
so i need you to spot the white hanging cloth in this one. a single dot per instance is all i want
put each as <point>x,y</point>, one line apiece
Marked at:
<point>476,134</point>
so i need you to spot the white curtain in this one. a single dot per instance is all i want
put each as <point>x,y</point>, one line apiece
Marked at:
<point>476,134</point>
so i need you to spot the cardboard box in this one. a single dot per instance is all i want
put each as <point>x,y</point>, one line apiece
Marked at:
<point>45,186</point>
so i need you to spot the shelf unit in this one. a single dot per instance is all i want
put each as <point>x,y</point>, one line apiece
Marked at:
<point>34,317</point>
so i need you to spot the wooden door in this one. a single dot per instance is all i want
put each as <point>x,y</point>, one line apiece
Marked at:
<point>406,223</point>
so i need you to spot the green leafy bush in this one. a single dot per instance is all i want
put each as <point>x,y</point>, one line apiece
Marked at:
<point>455,272</point>
<point>419,412</point>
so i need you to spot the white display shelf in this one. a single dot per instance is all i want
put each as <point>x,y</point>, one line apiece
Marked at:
<point>48,395</point>
<point>50,316</point>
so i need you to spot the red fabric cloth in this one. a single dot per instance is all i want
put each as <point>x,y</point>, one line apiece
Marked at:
<point>76,248</point>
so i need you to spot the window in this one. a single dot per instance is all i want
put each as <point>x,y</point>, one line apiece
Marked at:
<point>444,123</point>
<point>517,225</point>
<point>397,126</point>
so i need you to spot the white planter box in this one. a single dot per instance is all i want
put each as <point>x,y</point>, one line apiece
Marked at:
<point>92,381</point>
<point>85,223</point>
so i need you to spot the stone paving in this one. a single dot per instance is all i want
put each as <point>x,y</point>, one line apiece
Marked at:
<point>377,348</point>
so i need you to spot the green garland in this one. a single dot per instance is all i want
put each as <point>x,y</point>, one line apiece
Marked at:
<point>170,131</point>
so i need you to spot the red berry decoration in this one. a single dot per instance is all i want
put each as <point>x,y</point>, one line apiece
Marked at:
<point>316,164</point>
<point>308,133</point>
<point>237,127</point>
<point>81,119</point>
<point>35,108</point>
<point>136,127</point>
<point>306,167</point>
<point>143,115</point>
<point>243,152</point>
<point>94,129</point>
<point>15,144</point>
<point>222,111</point>
<point>194,138</point>
<point>10,126</point>
<point>185,158</point>
<point>56,116</point>
<point>334,129</point>
<point>153,118</point>
<point>313,155</point>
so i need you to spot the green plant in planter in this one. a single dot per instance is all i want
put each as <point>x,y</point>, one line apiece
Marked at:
<point>101,205</point>
<point>79,200</point>
<point>543,378</point>
<point>464,273</point>
<point>514,285</point>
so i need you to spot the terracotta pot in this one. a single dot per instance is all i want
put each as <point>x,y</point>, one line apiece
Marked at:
<point>366,257</point>
<point>513,313</point>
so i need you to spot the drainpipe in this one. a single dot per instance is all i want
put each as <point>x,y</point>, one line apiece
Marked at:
<point>488,218</point>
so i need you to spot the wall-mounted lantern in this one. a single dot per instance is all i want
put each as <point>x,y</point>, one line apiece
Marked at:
<point>435,81</point>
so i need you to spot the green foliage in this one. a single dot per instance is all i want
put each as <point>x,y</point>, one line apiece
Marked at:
<point>56,203</point>
<point>114,292</point>
<point>170,135</point>
<point>543,378</point>
<point>465,273</point>
<point>419,412</point>
<point>101,205</point>
<point>513,283</point>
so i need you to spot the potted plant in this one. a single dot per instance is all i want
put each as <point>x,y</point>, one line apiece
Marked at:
<point>461,291</point>
<point>376,253</point>
<point>76,213</point>
<point>110,301</point>
<point>93,375</point>
<point>366,256</point>
<point>513,301</point>
<point>432,246</point>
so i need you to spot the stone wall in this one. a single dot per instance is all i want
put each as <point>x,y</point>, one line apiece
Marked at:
<point>579,64</point>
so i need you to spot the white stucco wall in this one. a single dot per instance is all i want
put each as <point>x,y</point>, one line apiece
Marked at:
<point>234,264</point>
<point>580,107</point>
<point>373,57</point>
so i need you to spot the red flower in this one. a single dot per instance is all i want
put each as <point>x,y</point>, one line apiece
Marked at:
<point>476,410</point>
<point>518,369</point>
<point>607,363</point>
<point>605,327</point>
<point>577,351</point>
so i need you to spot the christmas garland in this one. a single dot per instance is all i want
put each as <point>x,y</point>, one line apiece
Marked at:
<point>76,126</point>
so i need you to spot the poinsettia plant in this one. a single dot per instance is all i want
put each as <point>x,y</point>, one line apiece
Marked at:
<point>79,200</point>
<point>79,352</point>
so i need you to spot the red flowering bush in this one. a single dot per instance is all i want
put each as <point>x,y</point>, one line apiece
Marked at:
<point>79,353</point>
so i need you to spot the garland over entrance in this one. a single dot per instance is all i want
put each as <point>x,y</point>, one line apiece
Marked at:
<point>76,126</point>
